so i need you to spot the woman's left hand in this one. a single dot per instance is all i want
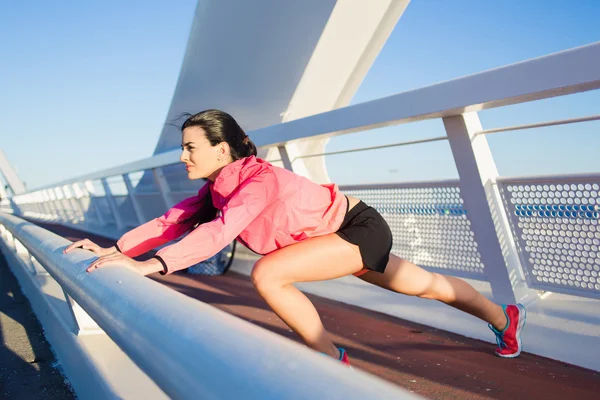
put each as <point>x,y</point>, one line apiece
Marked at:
<point>116,259</point>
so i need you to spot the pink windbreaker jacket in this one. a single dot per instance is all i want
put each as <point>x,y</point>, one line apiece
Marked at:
<point>263,206</point>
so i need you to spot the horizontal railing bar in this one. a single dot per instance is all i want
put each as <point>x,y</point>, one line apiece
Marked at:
<point>384,146</point>
<point>156,161</point>
<point>188,348</point>
<point>530,80</point>
<point>547,178</point>
<point>403,185</point>
<point>539,125</point>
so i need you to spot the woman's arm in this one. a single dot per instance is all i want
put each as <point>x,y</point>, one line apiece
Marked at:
<point>247,202</point>
<point>162,229</point>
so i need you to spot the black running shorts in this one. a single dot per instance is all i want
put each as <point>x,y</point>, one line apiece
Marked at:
<point>366,228</point>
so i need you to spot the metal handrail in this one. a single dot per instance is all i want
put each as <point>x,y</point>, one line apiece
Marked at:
<point>188,348</point>
<point>383,146</point>
<point>403,185</point>
<point>540,125</point>
<point>547,177</point>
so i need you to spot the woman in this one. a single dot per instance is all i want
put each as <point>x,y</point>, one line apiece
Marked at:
<point>306,232</point>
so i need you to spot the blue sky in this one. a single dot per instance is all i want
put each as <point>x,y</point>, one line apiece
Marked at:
<point>80,75</point>
<point>116,64</point>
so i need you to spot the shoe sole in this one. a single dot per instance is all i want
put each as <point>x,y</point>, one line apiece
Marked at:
<point>522,319</point>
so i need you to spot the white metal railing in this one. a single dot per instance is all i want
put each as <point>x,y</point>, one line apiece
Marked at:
<point>540,125</point>
<point>570,71</point>
<point>556,220</point>
<point>189,349</point>
<point>429,224</point>
<point>455,102</point>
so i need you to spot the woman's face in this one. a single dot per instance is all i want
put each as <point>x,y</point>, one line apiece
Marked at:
<point>200,158</point>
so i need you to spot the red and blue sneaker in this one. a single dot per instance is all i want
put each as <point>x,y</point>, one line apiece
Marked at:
<point>509,339</point>
<point>344,357</point>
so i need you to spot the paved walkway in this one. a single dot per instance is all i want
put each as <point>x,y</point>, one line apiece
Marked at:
<point>26,361</point>
<point>433,363</point>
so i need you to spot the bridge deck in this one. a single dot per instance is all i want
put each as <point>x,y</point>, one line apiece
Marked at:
<point>433,363</point>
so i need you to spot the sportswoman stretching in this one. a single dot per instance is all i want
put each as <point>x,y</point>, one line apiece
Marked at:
<point>306,232</point>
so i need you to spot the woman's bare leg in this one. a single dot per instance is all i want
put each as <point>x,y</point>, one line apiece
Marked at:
<point>404,277</point>
<point>316,259</point>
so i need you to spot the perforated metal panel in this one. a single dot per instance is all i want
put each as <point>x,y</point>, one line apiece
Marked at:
<point>429,224</point>
<point>556,225</point>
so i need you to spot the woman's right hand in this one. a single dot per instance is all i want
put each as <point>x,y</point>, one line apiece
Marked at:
<point>87,244</point>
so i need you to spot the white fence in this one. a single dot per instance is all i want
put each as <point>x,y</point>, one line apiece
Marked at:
<point>188,349</point>
<point>556,221</point>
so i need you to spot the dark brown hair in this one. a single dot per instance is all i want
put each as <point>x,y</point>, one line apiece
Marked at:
<point>218,127</point>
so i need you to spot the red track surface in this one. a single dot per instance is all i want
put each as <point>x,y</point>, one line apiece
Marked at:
<point>433,363</point>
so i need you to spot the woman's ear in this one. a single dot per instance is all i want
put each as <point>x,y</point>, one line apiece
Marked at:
<point>224,150</point>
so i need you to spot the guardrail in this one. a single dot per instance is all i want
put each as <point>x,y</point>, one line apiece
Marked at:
<point>189,349</point>
<point>556,220</point>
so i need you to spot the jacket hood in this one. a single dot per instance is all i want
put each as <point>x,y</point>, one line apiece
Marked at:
<point>235,173</point>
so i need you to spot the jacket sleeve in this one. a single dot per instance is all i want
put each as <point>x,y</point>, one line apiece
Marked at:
<point>245,204</point>
<point>163,229</point>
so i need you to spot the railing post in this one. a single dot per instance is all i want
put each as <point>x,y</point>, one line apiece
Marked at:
<point>55,208</point>
<point>112,204</point>
<point>73,203</point>
<point>60,209</point>
<point>63,201</point>
<point>477,171</point>
<point>52,204</point>
<point>93,205</point>
<point>77,195</point>
<point>313,168</point>
<point>22,252</point>
<point>83,323</point>
<point>45,203</point>
<point>163,187</point>
<point>37,204</point>
<point>285,158</point>
<point>134,201</point>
